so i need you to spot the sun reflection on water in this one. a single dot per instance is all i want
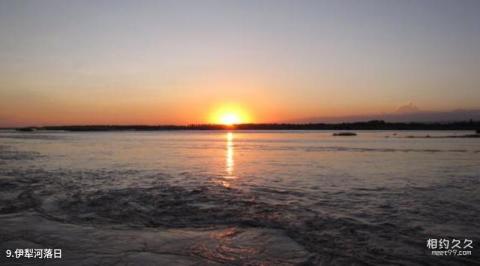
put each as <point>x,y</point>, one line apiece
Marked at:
<point>229,161</point>
<point>229,155</point>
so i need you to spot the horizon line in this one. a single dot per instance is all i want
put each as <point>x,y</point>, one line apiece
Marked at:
<point>356,125</point>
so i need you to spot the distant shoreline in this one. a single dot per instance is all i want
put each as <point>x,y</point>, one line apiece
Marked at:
<point>368,125</point>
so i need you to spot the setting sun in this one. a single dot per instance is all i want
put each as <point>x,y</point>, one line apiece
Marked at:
<point>230,115</point>
<point>229,119</point>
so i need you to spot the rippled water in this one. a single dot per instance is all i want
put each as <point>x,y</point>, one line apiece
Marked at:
<point>371,199</point>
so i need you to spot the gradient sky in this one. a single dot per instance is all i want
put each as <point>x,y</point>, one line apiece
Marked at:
<point>176,62</point>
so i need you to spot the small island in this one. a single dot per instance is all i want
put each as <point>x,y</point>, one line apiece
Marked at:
<point>344,134</point>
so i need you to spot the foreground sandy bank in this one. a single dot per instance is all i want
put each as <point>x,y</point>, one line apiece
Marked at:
<point>86,245</point>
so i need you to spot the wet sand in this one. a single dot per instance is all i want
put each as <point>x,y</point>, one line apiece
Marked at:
<point>90,245</point>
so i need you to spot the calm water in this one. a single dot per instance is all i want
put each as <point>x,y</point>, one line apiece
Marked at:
<point>371,199</point>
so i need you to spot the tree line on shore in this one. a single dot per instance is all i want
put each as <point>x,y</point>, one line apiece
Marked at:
<point>366,125</point>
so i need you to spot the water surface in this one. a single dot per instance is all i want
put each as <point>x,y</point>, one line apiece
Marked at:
<point>371,199</point>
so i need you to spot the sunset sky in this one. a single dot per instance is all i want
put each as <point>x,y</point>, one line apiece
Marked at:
<point>181,62</point>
